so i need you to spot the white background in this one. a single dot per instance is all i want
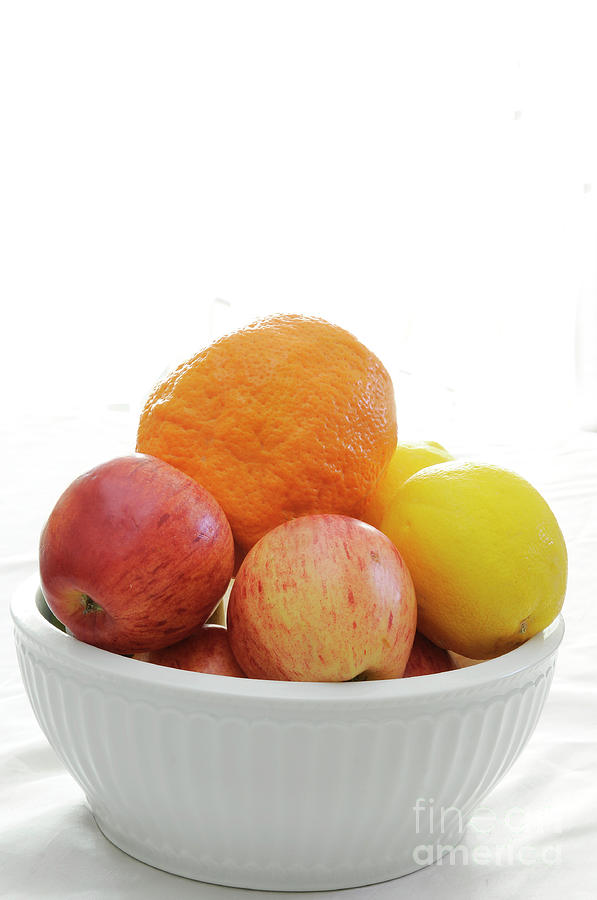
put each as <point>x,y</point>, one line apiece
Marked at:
<point>421,173</point>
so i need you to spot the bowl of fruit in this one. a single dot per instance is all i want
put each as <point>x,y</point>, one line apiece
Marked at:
<point>251,641</point>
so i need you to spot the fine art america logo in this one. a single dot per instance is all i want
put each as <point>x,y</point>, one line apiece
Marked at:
<point>517,836</point>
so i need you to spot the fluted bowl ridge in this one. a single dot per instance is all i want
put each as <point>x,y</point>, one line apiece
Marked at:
<point>277,785</point>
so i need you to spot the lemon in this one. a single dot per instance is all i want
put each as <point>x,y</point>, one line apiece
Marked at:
<point>408,458</point>
<point>485,552</point>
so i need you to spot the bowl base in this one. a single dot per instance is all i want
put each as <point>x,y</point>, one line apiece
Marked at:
<point>254,878</point>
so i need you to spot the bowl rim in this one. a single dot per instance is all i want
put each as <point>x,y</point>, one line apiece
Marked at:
<point>29,621</point>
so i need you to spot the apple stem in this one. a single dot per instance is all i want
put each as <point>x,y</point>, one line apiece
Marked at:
<point>89,605</point>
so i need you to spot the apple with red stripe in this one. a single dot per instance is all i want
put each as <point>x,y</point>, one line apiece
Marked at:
<point>135,555</point>
<point>205,650</point>
<point>322,598</point>
<point>427,658</point>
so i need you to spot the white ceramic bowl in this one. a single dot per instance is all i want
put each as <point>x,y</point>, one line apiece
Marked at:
<point>278,785</point>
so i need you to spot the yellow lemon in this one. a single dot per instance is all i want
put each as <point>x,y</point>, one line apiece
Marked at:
<point>407,459</point>
<point>486,555</point>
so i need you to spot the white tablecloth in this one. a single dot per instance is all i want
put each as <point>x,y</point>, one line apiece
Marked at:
<point>537,834</point>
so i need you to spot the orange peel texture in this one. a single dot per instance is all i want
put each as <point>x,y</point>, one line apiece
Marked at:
<point>289,416</point>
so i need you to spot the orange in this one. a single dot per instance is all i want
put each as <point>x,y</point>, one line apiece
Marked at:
<point>289,416</point>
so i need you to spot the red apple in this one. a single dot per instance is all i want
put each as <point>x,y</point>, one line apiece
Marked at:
<point>322,598</point>
<point>205,650</point>
<point>426,658</point>
<point>135,555</point>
